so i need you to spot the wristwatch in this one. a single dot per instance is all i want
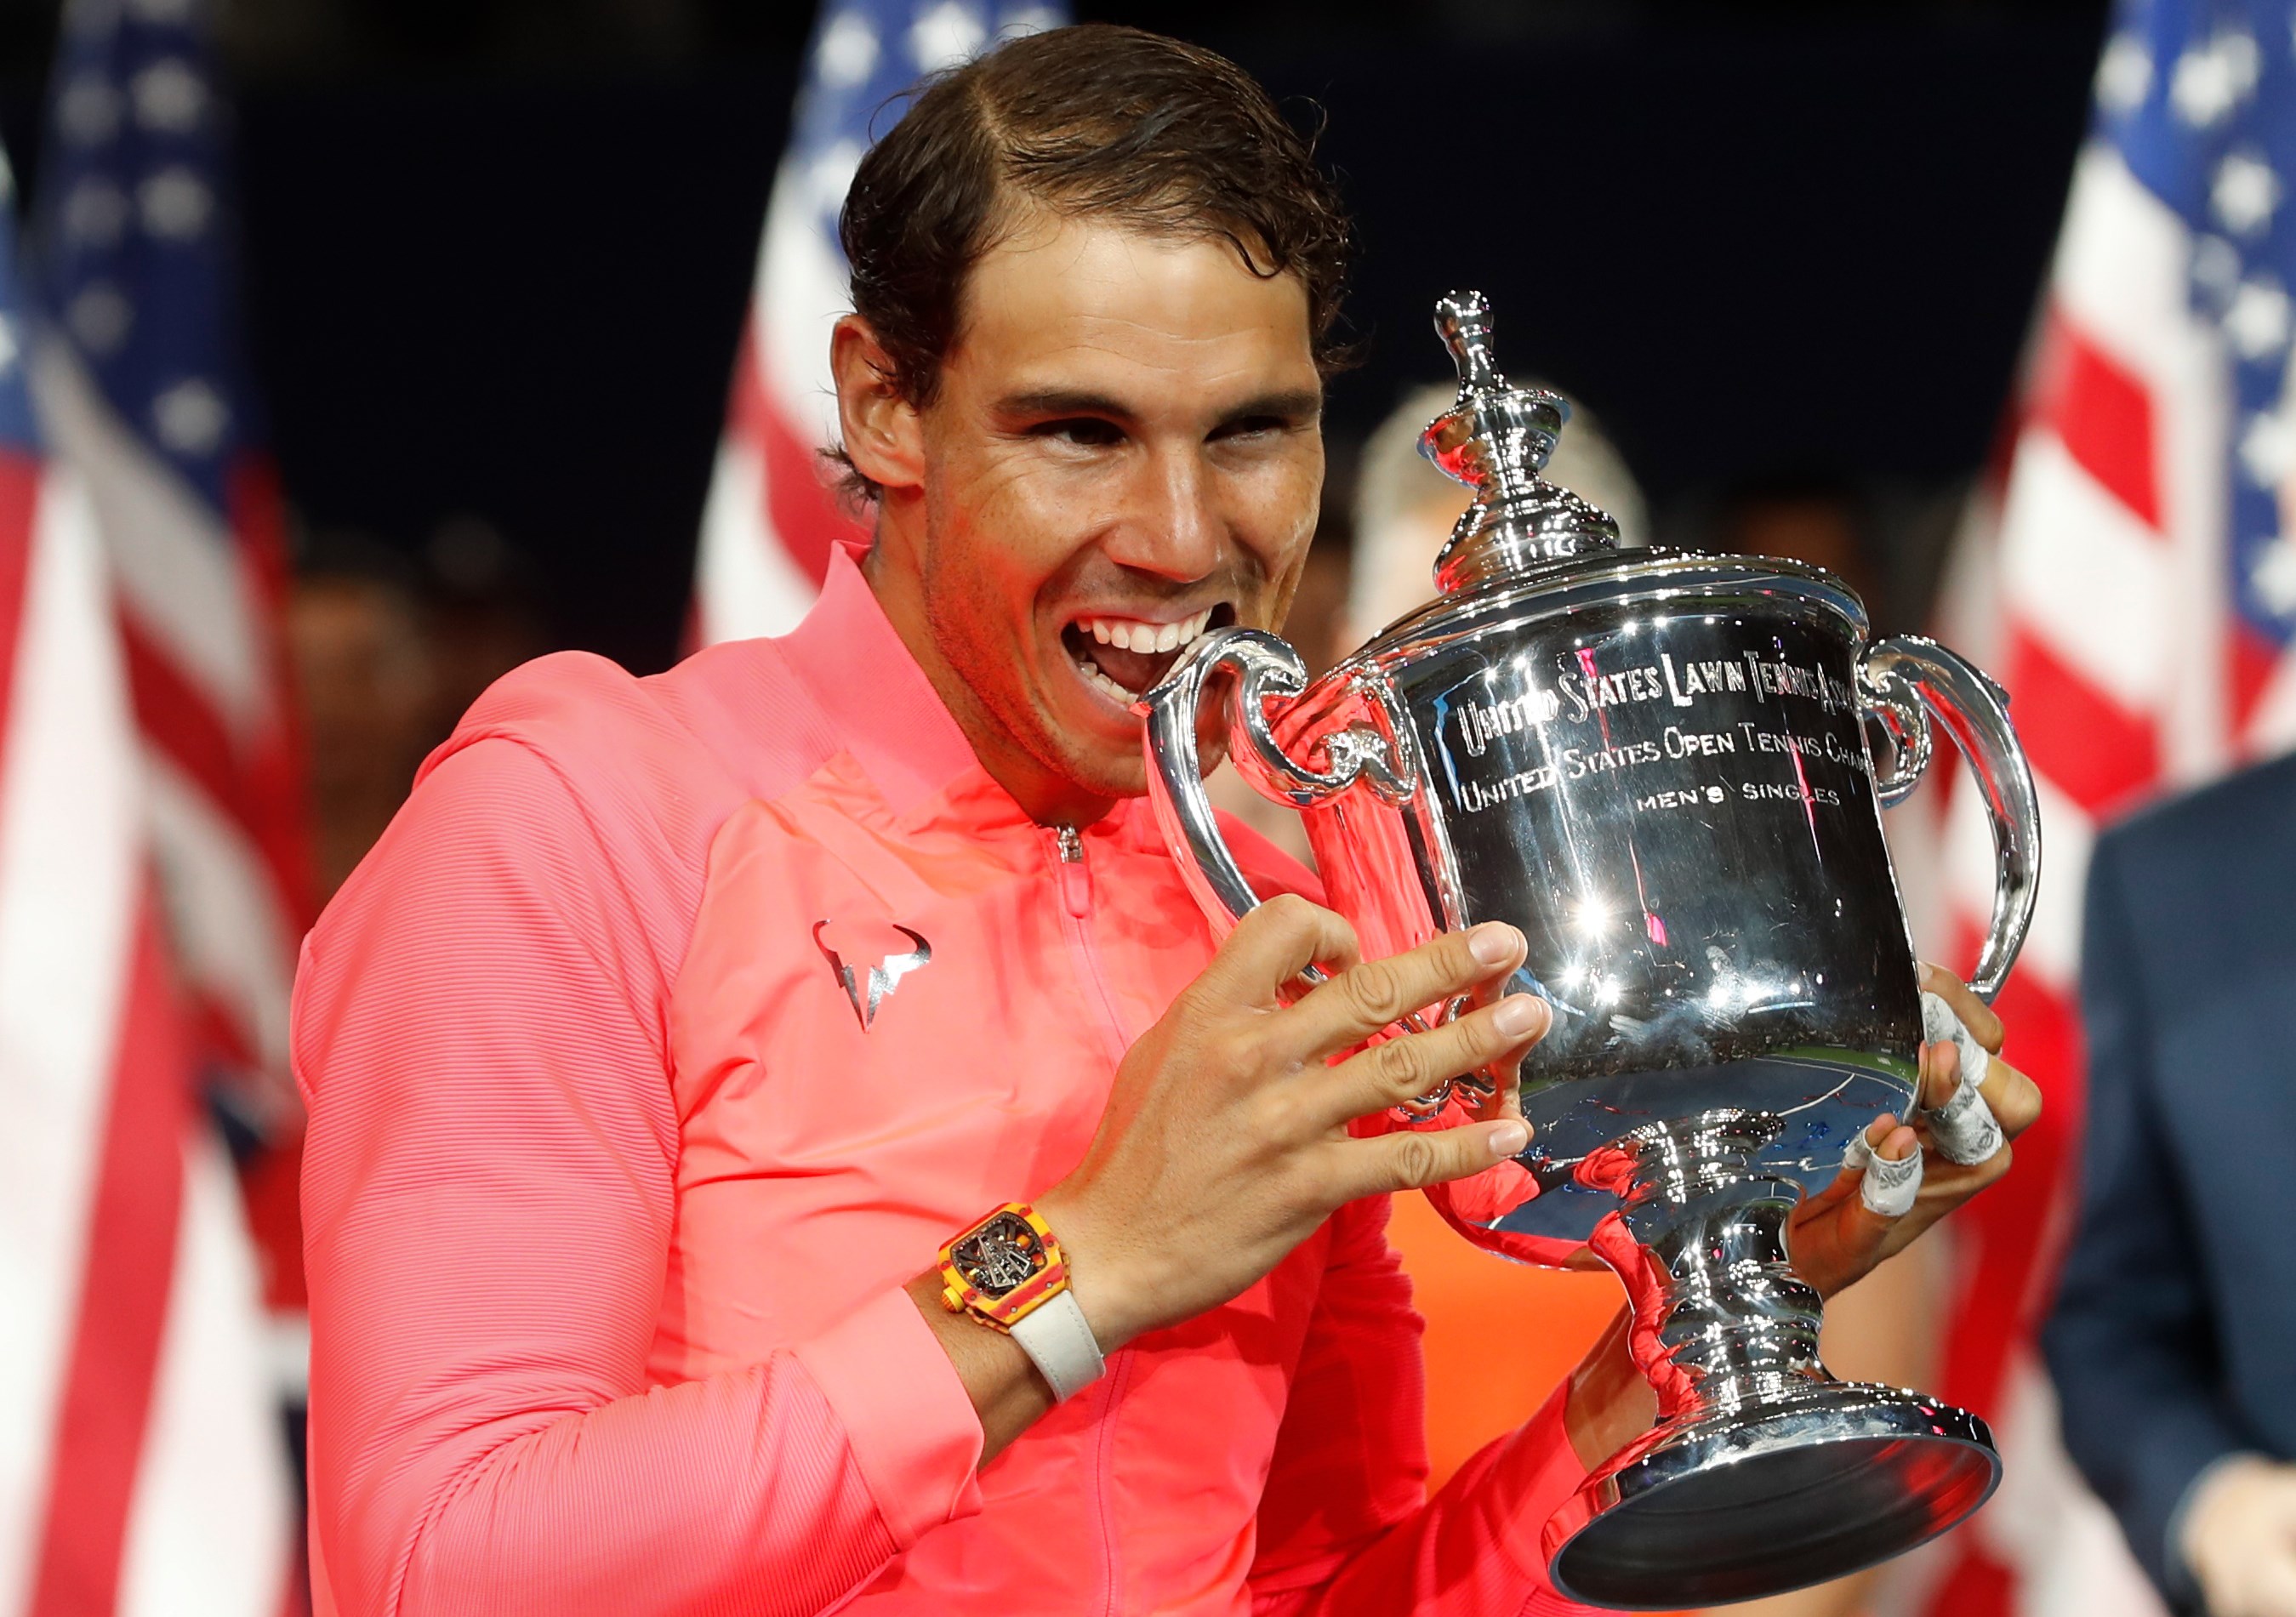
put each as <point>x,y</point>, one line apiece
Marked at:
<point>1007,1272</point>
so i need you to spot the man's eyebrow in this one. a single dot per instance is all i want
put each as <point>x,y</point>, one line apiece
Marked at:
<point>1295,404</point>
<point>1062,401</point>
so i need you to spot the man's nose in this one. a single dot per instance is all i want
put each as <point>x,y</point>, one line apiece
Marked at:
<point>1176,531</point>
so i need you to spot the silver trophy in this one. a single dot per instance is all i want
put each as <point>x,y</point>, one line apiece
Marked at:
<point>1667,769</point>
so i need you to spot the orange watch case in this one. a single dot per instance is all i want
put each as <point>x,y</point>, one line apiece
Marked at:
<point>1011,1235</point>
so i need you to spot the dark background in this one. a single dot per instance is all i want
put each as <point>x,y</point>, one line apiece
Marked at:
<point>497,251</point>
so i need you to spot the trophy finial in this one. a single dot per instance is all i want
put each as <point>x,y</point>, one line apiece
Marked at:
<point>1464,321</point>
<point>1496,438</point>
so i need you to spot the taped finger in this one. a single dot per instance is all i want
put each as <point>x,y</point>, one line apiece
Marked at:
<point>1891,1183</point>
<point>1964,1128</point>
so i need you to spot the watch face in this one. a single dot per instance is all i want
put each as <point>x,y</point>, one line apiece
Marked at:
<point>1000,1255</point>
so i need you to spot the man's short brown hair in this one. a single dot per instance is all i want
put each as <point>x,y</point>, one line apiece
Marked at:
<point>1094,119</point>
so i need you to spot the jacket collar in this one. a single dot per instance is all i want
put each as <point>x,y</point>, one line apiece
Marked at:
<point>877,701</point>
<point>883,710</point>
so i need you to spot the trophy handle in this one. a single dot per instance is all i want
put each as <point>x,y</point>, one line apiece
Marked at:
<point>1908,680</point>
<point>1265,668</point>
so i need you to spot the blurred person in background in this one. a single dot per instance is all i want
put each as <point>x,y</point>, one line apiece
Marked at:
<point>1806,516</point>
<point>2173,1338</point>
<point>363,677</point>
<point>388,652</point>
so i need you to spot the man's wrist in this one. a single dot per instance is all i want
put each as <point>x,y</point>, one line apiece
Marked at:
<point>1094,1280</point>
<point>1610,1401</point>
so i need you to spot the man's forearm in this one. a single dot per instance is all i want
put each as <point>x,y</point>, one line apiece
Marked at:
<point>1611,1401</point>
<point>1007,1392</point>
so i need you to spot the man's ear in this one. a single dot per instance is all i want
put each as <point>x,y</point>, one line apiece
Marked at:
<point>883,438</point>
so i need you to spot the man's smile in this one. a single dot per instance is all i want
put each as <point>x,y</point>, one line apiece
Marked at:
<point>1121,656</point>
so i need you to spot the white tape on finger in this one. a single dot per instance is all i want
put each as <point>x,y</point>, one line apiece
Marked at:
<point>1890,1186</point>
<point>1964,1128</point>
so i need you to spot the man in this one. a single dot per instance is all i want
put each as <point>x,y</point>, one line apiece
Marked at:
<point>2173,1339</point>
<point>676,1023</point>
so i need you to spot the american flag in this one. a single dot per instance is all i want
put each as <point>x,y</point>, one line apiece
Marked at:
<point>140,389</point>
<point>141,1467</point>
<point>771,519</point>
<point>2137,595</point>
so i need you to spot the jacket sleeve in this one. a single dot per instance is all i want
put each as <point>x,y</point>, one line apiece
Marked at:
<point>2131,1344</point>
<point>488,1193</point>
<point>1345,1524</point>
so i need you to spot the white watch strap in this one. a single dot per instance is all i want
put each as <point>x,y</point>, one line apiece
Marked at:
<point>1057,1336</point>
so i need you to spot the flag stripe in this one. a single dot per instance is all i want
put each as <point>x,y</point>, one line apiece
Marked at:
<point>2102,414</point>
<point>178,717</point>
<point>804,516</point>
<point>19,496</point>
<point>212,1510</point>
<point>176,566</point>
<point>71,871</point>
<point>2093,749</point>
<point>130,1255</point>
<point>2083,574</point>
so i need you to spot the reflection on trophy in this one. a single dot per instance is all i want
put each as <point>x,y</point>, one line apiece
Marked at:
<point>1660,766</point>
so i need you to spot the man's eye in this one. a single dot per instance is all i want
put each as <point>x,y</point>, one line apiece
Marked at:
<point>1250,426</point>
<point>1083,431</point>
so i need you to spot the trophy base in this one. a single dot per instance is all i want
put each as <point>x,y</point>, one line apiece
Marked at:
<point>1736,1504</point>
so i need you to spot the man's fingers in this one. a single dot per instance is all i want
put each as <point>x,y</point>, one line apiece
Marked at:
<point>1886,1158</point>
<point>1975,1015</point>
<point>1360,1001</point>
<point>1411,1159</point>
<point>1403,1069</point>
<point>2014,1099</point>
<point>1273,944</point>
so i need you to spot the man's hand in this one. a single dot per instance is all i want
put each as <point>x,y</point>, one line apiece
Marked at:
<point>2239,1538</point>
<point>1835,1237</point>
<point>1226,1142</point>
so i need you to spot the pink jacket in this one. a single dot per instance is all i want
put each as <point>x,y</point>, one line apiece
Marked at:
<point>611,1188</point>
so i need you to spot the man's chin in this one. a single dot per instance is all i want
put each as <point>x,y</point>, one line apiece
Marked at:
<point>1110,775</point>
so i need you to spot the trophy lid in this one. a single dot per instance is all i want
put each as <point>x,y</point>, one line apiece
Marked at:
<point>1496,438</point>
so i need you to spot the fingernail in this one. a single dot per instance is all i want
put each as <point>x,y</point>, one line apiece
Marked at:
<point>1510,1139</point>
<point>1519,1015</point>
<point>1494,942</point>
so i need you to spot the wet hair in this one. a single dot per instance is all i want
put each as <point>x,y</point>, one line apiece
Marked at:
<point>1096,121</point>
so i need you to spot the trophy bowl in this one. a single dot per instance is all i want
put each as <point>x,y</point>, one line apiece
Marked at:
<point>1667,769</point>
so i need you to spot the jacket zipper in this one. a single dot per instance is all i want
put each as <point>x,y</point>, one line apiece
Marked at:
<point>1075,880</point>
<point>1076,875</point>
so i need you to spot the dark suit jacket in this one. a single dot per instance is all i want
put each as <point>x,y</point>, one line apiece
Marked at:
<point>2174,1338</point>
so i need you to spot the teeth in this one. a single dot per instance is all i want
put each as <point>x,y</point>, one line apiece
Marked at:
<point>1108,688</point>
<point>1132,635</point>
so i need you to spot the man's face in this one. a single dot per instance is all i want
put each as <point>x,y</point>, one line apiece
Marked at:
<point>1125,451</point>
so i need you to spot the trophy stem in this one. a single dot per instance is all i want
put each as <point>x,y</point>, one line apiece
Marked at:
<point>1699,1240</point>
<point>1764,1472</point>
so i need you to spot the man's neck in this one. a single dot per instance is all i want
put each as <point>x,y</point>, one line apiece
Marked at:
<point>1045,795</point>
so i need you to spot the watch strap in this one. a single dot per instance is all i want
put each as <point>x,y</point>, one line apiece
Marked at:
<point>1056,1335</point>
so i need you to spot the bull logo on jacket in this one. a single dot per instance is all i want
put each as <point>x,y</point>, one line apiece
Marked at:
<point>868,990</point>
